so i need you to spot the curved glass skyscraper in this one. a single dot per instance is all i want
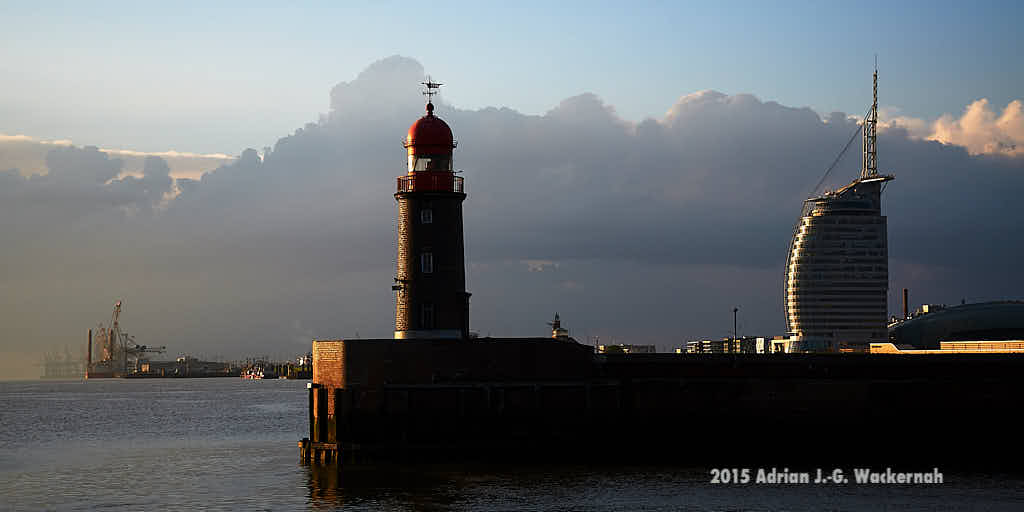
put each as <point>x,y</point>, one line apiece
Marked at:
<point>837,272</point>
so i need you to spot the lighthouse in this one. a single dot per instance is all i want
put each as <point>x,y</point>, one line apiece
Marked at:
<point>430,279</point>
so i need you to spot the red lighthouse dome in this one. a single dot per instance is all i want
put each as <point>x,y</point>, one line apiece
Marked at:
<point>429,135</point>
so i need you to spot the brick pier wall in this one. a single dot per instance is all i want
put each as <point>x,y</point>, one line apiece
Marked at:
<point>542,399</point>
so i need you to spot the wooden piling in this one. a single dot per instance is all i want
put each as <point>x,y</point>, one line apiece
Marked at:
<point>312,419</point>
<point>321,415</point>
<point>304,450</point>
<point>339,411</point>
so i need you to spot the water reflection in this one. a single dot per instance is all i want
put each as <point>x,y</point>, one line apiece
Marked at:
<point>607,487</point>
<point>392,487</point>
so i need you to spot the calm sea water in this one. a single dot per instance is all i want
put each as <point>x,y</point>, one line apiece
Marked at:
<point>229,444</point>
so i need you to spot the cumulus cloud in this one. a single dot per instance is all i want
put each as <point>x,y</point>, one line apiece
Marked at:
<point>646,232</point>
<point>387,89</point>
<point>79,184</point>
<point>28,155</point>
<point>25,154</point>
<point>980,129</point>
<point>893,118</point>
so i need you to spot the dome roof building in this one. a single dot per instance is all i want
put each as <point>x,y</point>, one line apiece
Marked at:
<point>988,321</point>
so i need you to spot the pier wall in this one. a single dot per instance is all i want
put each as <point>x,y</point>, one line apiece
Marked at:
<point>372,363</point>
<point>522,399</point>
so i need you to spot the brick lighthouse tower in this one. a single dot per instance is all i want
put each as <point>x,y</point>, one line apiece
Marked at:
<point>430,280</point>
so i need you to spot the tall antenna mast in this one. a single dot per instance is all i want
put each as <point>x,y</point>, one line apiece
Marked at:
<point>869,166</point>
<point>432,88</point>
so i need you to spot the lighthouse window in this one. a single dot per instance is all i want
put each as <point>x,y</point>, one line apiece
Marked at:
<point>430,164</point>
<point>427,262</point>
<point>426,216</point>
<point>424,164</point>
<point>427,316</point>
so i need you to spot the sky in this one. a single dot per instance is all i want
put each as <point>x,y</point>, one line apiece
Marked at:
<point>139,74</point>
<point>227,171</point>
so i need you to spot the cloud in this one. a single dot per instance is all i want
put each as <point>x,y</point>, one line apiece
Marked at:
<point>387,89</point>
<point>28,155</point>
<point>539,265</point>
<point>892,118</point>
<point>979,129</point>
<point>79,185</point>
<point>647,232</point>
<point>154,189</point>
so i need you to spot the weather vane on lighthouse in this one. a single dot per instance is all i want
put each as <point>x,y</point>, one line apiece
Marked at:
<point>432,87</point>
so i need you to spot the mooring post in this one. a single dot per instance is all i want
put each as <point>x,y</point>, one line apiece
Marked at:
<point>304,450</point>
<point>321,414</point>
<point>339,413</point>
<point>352,398</point>
<point>312,419</point>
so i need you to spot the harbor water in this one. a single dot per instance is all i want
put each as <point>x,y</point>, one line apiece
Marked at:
<point>230,444</point>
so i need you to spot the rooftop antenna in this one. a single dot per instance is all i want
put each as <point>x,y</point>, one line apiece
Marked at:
<point>869,166</point>
<point>432,87</point>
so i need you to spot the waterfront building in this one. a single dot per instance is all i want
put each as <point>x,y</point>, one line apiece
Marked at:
<point>837,271</point>
<point>744,345</point>
<point>954,347</point>
<point>722,346</point>
<point>557,331</point>
<point>780,345</point>
<point>622,348</point>
<point>933,324</point>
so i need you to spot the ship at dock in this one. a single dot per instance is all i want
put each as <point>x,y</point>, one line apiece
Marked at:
<point>259,371</point>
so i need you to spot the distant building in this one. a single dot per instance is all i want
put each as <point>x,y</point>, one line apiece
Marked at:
<point>706,346</point>
<point>932,324</point>
<point>954,347</point>
<point>837,270</point>
<point>557,331</point>
<point>56,366</point>
<point>626,349</point>
<point>780,345</point>
<point>744,345</point>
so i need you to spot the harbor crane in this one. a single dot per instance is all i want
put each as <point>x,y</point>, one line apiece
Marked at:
<point>119,346</point>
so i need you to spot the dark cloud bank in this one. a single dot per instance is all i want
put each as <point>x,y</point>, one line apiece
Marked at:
<point>646,232</point>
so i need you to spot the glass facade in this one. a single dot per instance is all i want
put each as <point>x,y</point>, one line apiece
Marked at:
<point>837,272</point>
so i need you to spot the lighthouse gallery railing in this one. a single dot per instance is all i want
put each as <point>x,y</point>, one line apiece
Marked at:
<point>431,182</point>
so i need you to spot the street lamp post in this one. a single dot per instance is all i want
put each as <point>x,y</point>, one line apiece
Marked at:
<point>735,333</point>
